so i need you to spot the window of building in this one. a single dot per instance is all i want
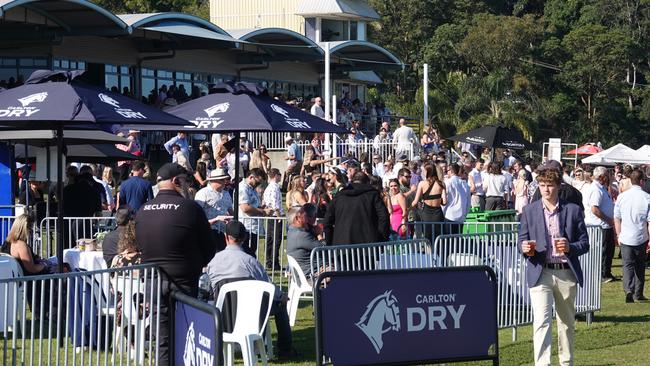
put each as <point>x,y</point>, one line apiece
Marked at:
<point>67,65</point>
<point>13,71</point>
<point>335,30</point>
<point>119,79</point>
<point>353,30</point>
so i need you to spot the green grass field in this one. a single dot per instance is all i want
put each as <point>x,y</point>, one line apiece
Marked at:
<point>619,335</point>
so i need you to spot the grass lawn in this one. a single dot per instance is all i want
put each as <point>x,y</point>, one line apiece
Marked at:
<point>619,335</point>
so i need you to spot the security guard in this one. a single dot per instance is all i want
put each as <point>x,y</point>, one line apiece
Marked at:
<point>173,232</point>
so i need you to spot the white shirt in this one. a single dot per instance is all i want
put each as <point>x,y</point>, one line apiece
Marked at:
<point>388,176</point>
<point>495,185</point>
<point>403,137</point>
<point>272,197</point>
<point>633,209</point>
<point>317,110</point>
<point>477,177</point>
<point>457,199</point>
<point>598,196</point>
<point>508,161</point>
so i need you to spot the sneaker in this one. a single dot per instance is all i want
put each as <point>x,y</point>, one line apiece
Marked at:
<point>628,298</point>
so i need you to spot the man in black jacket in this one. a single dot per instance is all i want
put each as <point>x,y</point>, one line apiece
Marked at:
<point>565,191</point>
<point>356,215</point>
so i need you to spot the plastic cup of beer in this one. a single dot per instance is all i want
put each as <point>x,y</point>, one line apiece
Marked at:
<point>532,243</point>
<point>556,253</point>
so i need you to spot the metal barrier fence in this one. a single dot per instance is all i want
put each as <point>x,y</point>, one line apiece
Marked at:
<point>385,149</point>
<point>74,228</point>
<point>500,252</point>
<point>267,238</point>
<point>372,256</point>
<point>5,226</point>
<point>102,317</point>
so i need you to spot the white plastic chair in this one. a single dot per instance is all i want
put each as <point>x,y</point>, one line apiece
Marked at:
<point>464,259</point>
<point>298,287</point>
<point>247,332</point>
<point>133,293</point>
<point>9,268</point>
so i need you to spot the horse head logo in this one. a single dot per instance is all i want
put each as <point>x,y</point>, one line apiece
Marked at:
<point>108,100</point>
<point>218,108</point>
<point>38,97</point>
<point>190,347</point>
<point>280,110</point>
<point>381,310</point>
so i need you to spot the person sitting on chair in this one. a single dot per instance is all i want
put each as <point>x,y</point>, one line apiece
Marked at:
<point>234,262</point>
<point>302,235</point>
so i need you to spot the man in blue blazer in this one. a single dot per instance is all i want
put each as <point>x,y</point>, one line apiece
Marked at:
<point>552,236</point>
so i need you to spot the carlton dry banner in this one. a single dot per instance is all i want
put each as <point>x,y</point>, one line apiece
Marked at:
<point>407,316</point>
<point>197,333</point>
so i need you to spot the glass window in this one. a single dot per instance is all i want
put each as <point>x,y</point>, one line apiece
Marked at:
<point>65,64</point>
<point>353,30</point>
<point>9,62</point>
<point>111,82</point>
<point>26,62</point>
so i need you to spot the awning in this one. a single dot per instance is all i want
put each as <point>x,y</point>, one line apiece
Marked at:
<point>186,30</point>
<point>74,17</point>
<point>337,8</point>
<point>363,56</point>
<point>366,76</point>
<point>279,44</point>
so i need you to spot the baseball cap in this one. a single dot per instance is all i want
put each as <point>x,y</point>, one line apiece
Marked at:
<point>551,164</point>
<point>170,170</point>
<point>237,230</point>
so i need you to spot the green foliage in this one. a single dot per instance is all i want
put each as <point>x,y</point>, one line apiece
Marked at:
<point>574,69</point>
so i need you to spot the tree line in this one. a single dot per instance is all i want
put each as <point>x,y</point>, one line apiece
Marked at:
<point>576,69</point>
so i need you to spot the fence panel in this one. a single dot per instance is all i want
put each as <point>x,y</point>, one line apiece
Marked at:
<point>267,239</point>
<point>102,317</point>
<point>5,226</point>
<point>365,257</point>
<point>74,228</point>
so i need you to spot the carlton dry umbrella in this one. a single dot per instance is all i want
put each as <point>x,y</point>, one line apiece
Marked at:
<point>245,107</point>
<point>58,101</point>
<point>494,136</point>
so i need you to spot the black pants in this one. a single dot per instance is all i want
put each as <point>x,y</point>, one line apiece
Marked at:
<point>481,202</point>
<point>273,243</point>
<point>633,269</point>
<point>219,239</point>
<point>281,317</point>
<point>494,203</point>
<point>250,245</point>
<point>430,215</point>
<point>608,252</point>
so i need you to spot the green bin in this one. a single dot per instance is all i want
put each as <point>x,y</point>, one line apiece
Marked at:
<point>474,219</point>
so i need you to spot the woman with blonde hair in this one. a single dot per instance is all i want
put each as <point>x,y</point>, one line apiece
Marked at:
<point>259,159</point>
<point>16,246</point>
<point>296,196</point>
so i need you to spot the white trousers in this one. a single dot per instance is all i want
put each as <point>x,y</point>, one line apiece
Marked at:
<point>554,287</point>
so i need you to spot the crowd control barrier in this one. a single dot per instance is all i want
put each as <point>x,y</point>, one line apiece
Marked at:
<point>198,334</point>
<point>499,251</point>
<point>104,317</point>
<point>414,316</point>
<point>406,254</point>
<point>74,228</point>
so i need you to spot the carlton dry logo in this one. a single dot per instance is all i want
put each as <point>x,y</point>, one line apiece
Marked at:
<point>25,109</point>
<point>194,355</point>
<point>217,108</point>
<point>38,97</point>
<point>108,100</point>
<point>381,310</point>
<point>293,122</point>
<point>124,112</point>
<point>278,109</point>
<point>428,313</point>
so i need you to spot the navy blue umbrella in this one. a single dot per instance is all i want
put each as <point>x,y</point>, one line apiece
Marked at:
<point>58,100</point>
<point>237,107</point>
<point>246,107</point>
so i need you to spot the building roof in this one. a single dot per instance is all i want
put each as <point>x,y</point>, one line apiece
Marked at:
<point>148,19</point>
<point>73,16</point>
<point>280,44</point>
<point>363,55</point>
<point>358,9</point>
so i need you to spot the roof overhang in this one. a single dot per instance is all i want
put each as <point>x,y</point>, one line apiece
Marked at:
<point>173,31</point>
<point>362,56</point>
<point>352,9</point>
<point>62,17</point>
<point>276,44</point>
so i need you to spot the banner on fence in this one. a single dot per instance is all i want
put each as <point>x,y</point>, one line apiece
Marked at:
<point>407,316</point>
<point>197,333</point>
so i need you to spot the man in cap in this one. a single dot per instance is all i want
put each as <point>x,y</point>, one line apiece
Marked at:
<point>216,203</point>
<point>235,263</point>
<point>250,206</point>
<point>173,232</point>
<point>565,191</point>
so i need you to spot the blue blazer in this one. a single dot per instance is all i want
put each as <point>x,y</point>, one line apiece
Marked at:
<point>572,226</point>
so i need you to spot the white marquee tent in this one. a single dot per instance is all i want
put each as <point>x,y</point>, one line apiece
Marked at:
<point>618,154</point>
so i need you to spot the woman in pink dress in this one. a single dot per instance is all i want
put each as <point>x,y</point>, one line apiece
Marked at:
<point>521,192</point>
<point>398,205</point>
